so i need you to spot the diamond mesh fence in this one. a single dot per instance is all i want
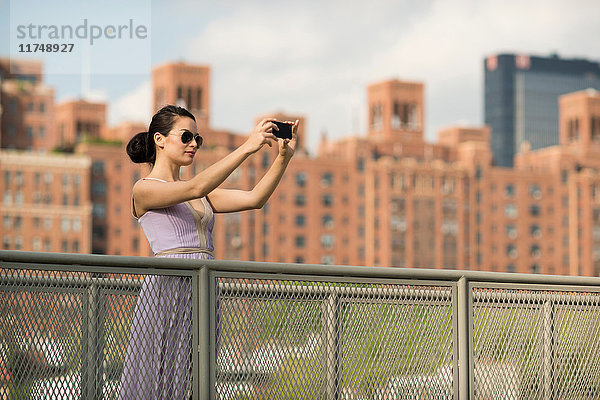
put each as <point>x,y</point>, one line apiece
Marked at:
<point>92,335</point>
<point>536,344</point>
<point>295,339</point>
<point>69,335</point>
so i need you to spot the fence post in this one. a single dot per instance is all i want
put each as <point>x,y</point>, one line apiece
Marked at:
<point>465,339</point>
<point>195,336</point>
<point>549,348</point>
<point>332,352</point>
<point>204,389</point>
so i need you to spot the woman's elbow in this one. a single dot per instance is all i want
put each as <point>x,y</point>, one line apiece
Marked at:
<point>259,204</point>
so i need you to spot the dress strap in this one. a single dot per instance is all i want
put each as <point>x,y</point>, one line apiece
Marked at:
<point>153,179</point>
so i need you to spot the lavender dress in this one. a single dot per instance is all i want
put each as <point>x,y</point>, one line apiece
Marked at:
<point>158,361</point>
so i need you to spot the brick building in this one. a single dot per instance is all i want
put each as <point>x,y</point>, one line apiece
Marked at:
<point>79,120</point>
<point>27,107</point>
<point>388,198</point>
<point>45,202</point>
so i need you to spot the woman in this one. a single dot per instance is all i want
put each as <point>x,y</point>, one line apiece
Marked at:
<point>177,219</point>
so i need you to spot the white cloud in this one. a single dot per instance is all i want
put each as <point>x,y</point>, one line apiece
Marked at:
<point>317,59</point>
<point>133,106</point>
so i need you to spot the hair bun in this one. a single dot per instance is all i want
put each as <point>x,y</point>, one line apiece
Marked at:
<point>137,148</point>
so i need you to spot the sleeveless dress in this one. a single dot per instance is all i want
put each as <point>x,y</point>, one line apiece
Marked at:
<point>158,360</point>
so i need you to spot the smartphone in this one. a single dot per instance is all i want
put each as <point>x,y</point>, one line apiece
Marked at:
<point>285,130</point>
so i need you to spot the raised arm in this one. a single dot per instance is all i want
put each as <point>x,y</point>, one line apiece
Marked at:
<point>230,200</point>
<point>150,194</point>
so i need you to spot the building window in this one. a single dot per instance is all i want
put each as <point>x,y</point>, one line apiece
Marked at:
<point>535,269</point>
<point>7,221</point>
<point>300,241</point>
<point>509,190</point>
<point>327,241</point>
<point>535,231</point>
<point>29,132</point>
<point>98,168</point>
<point>326,179</point>
<point>42,107</point>
<point>327,221</point>
<point>535,251</point>
<point>77,224</point>
<point>360,164</point>
<point>42,132</point>
<point>300,220</point>
<point>19,197</point>
<point>65,246</point>
<point>535,191</point>
<point>18,222</point>
<point>19,180</point>
<point>299,260</point>
<point>65,224</point>
<point>48,178</point>
<point>301,179</point>
<point>510,268</point>
<point>510,210</point>
<point>30,106</point>
<point>37,244</point>
<point>327,200</point>
<point>48,223</point>
<point>47,245</point>
<point>99,210</point>
<point>18,243</point>
<point>511,251</point>
<point>534,210</point>
<point>12,106</point>
<point>300,200</point>
<point>328,260</point>
<point>511,231</point>
<point>75,246</point>
<point>6,242</point>
<point>99,188</point>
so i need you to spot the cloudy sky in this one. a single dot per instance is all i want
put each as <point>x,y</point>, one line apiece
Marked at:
<point>315,58</point>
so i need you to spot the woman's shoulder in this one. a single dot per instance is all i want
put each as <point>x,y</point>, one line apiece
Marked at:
<point>146,182</point>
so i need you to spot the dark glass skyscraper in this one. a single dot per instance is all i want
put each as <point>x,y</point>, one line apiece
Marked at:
<point>521,98</point>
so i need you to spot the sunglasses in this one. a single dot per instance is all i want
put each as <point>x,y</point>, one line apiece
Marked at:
<point>187,136</point>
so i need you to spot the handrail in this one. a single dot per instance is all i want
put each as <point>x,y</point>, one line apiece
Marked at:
<point>144,264</point>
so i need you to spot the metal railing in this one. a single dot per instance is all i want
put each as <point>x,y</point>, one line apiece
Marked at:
<point>95,327</point>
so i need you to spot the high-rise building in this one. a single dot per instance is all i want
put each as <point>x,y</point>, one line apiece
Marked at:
<point>521,99</point>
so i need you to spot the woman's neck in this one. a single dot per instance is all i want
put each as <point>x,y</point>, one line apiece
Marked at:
<point>166,172</point>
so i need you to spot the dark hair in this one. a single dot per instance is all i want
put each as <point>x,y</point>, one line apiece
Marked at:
<point>141,148</point>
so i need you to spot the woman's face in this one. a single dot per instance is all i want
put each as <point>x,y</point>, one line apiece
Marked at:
<point>179,152</point>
